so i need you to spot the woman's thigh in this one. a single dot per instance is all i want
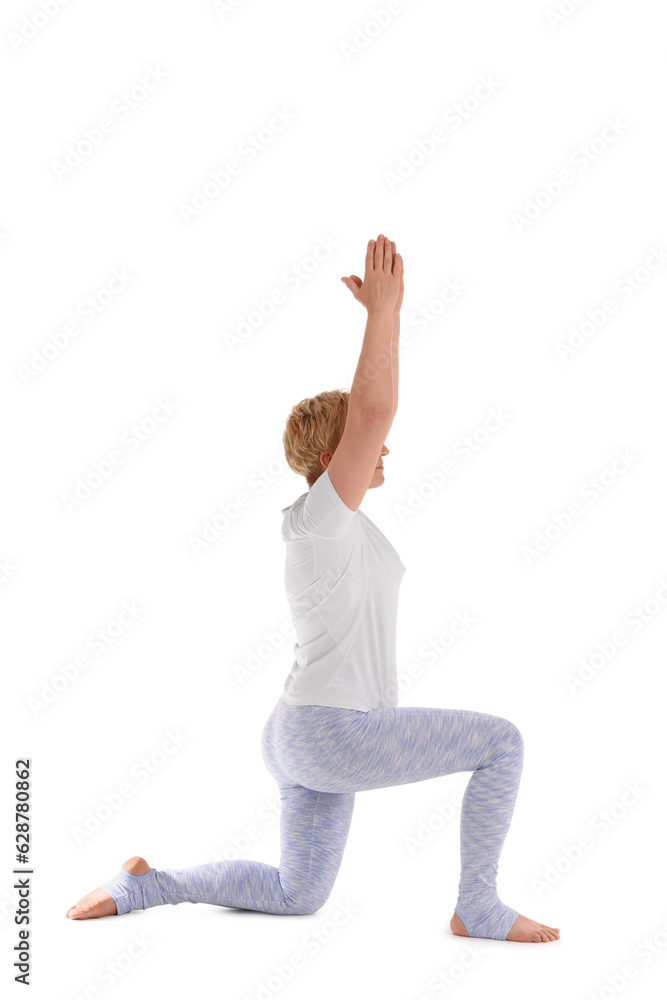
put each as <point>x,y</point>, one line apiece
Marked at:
<point>340,750</point>
<point>395,746</point>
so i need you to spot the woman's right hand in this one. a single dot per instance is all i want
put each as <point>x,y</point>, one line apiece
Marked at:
<point>379,290</point>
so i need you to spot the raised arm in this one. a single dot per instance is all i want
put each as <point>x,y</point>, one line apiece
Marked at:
<point>397,331</point>
<point>374,390</point>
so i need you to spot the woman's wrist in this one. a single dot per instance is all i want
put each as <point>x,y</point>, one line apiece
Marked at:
<point>383,312</point>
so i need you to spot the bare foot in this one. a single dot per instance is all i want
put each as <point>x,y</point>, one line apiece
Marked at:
<point>99,903</point>
<point>523,929</point>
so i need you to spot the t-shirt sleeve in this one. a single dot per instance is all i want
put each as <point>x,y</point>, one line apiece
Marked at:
<point>323,512</point>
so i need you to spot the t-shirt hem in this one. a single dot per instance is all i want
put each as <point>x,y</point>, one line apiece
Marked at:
<point>324,704</point>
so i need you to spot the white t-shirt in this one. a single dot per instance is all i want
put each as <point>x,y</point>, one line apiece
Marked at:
<point>342,578</point>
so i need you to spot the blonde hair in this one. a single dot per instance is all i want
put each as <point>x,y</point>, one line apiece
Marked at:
<point>313,426</point>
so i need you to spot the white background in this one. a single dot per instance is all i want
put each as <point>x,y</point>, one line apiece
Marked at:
<point>165,336</point>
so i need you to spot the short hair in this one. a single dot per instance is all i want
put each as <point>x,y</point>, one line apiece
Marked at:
<point>314,425</point>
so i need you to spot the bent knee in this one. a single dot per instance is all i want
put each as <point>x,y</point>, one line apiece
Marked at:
<point>302,908</point>
<point>512,734</point>
<point>306,905</point>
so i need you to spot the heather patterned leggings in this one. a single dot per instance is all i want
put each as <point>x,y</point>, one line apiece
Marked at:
<point>320,758</point>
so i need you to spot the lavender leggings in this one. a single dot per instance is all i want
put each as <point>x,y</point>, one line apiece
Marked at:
<point>320,757</point>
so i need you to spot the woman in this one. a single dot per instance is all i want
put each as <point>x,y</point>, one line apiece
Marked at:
<point>336,730</point>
